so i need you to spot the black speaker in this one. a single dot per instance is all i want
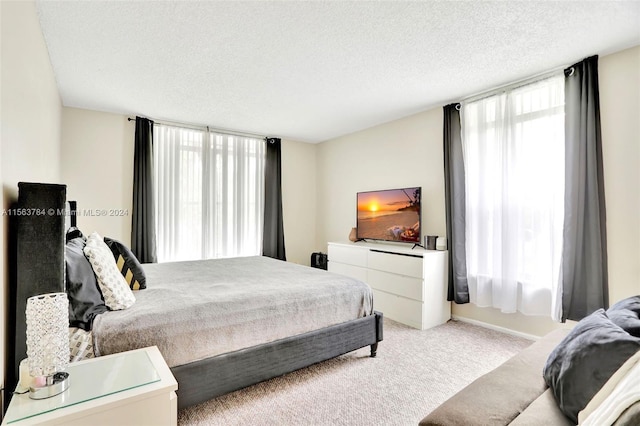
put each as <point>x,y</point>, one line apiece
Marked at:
<point>319,260</point>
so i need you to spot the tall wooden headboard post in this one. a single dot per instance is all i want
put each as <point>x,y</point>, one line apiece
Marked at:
<point>38,260</point>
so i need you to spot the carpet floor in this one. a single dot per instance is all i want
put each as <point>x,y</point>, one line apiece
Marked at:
<point>413,373</point>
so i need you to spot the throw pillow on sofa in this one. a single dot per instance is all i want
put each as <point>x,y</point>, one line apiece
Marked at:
<point>631,303</point>
<point>626,320</point>
<point>626,314</point>
<point>583,362</point>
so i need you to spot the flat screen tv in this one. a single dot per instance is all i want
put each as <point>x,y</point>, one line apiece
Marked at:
<point>389,215</point>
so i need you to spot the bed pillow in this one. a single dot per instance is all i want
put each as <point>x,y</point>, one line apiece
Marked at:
<point>128,264</point>
<point>85,299</point>
<point>72,233</point>
<point>585,359</point>
<point>117,294</point>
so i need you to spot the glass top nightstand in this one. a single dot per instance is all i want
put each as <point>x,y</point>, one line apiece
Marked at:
<point>90,380</point>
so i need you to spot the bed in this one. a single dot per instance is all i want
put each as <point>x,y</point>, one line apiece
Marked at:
<point>220,324</point>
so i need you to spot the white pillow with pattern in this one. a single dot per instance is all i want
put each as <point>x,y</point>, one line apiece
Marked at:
<point>115,290</point>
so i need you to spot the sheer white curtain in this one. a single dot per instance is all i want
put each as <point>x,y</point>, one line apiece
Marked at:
<point>513,145</point>
<point>209,194</point>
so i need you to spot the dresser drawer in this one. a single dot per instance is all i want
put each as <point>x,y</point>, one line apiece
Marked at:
<point>395,263</point>
<point>398,308</point>
<point>409,286</point>
<point>400,285</point>
<point>356,272</point>
<point>350,255</point>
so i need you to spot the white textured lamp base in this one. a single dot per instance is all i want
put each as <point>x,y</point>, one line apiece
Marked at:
<point>59,383</point>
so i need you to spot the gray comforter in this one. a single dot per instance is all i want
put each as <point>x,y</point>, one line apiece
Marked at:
<point>196,310</point>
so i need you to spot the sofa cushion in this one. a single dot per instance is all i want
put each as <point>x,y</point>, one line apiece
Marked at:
<point>501,395</point>
<point>615,397</point>
<point>630,416</point>
<point>543,411</point>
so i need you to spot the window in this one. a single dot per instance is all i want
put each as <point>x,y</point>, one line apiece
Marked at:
<point>513,148</point>
<point>209,194</point>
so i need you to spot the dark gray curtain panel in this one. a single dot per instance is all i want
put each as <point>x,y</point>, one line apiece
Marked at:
<point>584,257</point>
<point>454,189</point>
<point>273,233</point>
<point>143,231</point>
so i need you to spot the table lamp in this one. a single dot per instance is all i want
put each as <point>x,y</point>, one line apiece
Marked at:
<point>48,344</point>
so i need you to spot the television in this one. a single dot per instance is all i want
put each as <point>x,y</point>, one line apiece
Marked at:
<point>389,215</point>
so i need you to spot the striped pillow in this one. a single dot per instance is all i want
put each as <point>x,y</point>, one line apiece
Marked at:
<point>128,264</point>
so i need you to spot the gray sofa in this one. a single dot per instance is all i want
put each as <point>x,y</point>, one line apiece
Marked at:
<point>592,370</point>
<point>513,394</point>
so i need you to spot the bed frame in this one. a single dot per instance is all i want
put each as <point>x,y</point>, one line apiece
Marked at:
<point>202,380</point>
<point>198,381</point>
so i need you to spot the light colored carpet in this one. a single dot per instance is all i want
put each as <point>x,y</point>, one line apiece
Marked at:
<point>414,372</point>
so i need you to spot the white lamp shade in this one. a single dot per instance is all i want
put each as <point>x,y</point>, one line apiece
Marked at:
<point>47,333</point>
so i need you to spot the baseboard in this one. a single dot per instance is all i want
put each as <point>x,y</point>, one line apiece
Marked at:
<point>495,327</point>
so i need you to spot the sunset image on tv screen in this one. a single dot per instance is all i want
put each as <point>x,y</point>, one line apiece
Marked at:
<point>392,215</point>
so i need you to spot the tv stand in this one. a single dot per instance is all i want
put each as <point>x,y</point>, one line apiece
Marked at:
<point>409,284</point>
<point>418,245</point>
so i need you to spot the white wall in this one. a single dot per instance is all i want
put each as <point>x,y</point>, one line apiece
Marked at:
<point>620,114</point>
<point>299,200</point>
<point>402,153</point>
<point>408,152</point>
<point>97,166</point>
<point>30,110</point>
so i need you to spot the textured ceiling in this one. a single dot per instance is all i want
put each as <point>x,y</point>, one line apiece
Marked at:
<point>312,71</point>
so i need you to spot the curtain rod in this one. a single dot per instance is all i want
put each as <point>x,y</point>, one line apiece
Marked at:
<point>514,85</point>
<point>207,128</point>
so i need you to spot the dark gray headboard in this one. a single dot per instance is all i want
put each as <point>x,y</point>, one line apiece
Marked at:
<point>36,259</point>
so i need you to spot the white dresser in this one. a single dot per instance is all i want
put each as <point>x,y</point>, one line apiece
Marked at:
<point>409,285</point>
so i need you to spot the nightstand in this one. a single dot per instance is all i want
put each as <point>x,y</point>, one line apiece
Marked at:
<point>129,388</point>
